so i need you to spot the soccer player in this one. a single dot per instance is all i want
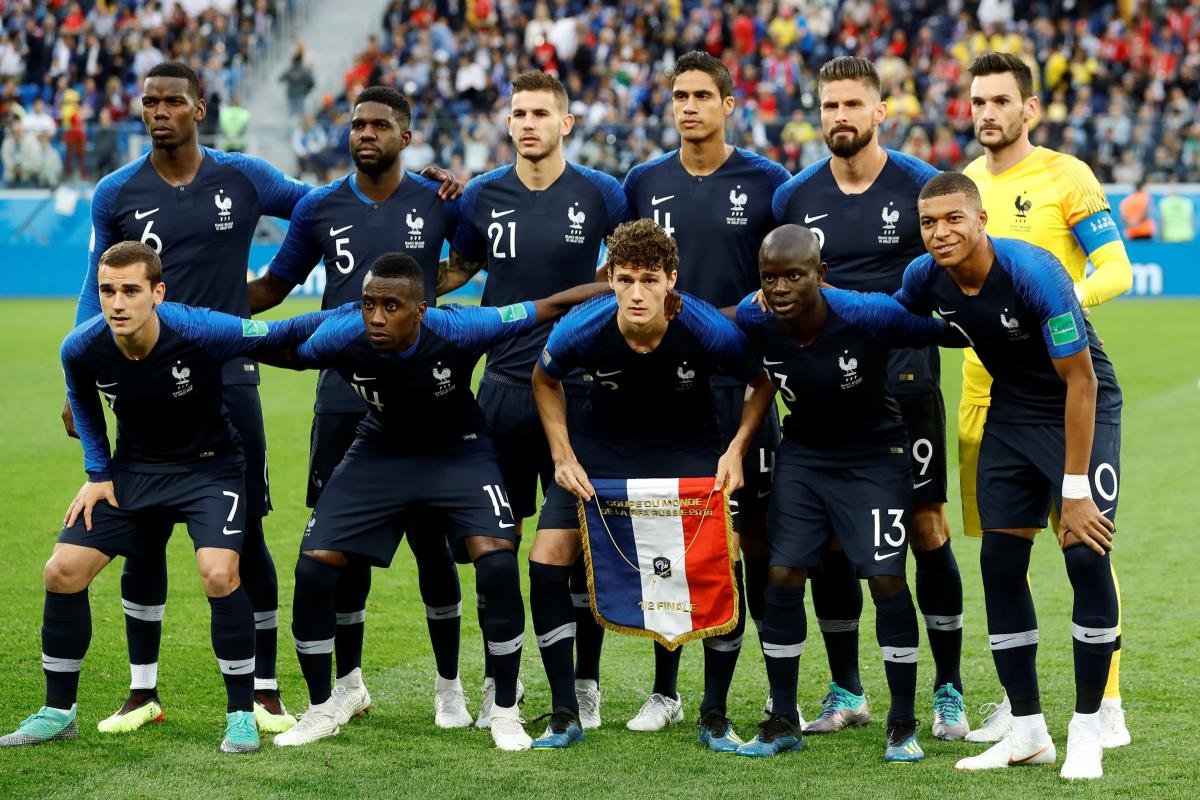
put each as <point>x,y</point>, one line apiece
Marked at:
<point>715,201</point>
<point>348,224</point>
<point>536,225</point>
<point>422,446</point>
<point>159,368</point>
<point>1054,422</point>
<point>842,470</point>
<point>1054,201</point>
<point>861,202</point>
<point>637,360</point>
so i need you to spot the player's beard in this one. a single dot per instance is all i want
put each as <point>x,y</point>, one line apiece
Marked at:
<point>376,168</point>
<point>848,149</point>
<point>540,152</point>
<point>1007,137</point>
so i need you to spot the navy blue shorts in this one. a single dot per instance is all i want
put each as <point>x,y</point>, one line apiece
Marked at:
<point>374,490</point>
<point>925,418</point>
<point>615,458</point>
<point>1021,470</point>
<point>866,507</point>
<point>245,414</point>
<point>520,441</point>
<point>757,466</point>
<point>209,498</point>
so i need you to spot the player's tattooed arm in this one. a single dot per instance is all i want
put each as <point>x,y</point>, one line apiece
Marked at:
<point>1081,519</point>
<point>451,187</point>
<point>267,292</point>
<point>456,270</point>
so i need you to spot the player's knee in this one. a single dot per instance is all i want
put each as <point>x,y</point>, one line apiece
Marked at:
<point>219,576</point>
<point>63,577</point>
<point>754,535</point>
<point>557,547</point>
<point>884,586</point>
<point>930,528</point>
<point>480,546</point>
<point>787,577</point>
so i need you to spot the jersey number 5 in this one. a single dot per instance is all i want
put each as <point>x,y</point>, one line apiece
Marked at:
<point>341,246</point>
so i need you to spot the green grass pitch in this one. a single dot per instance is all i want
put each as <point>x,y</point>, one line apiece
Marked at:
<point>398,751</point>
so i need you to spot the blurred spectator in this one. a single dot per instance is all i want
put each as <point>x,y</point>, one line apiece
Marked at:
<point>419,154</point>
<point>233,120</point>
<point>18,162</point>
<point>49,162</point>
<point>1135,214</point>
<point>1178,218</point>
<point>298,80</point>
<point>309,143</point>
<point>106,144</point>
<point>38,120</point>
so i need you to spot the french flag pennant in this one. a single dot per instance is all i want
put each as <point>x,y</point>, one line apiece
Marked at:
<point>659,554</point>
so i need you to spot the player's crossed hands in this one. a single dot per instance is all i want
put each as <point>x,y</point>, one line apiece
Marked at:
<point>86,500</point>
<point>1082,521</point>
<point>570,475</point>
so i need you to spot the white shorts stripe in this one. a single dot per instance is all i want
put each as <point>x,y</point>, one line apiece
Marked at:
<point>581,600</point>
<point>244,667</point>
<point>509,647</point>
<point>444,612</point>
<point>899,655</point>
<point>1007,641</point>
<point>480,602</point>
<point>315,647</point>
<point>1093,635</point>
<point>837,625</point>
<point>353,617</point>
<point>557,635</point>
<point>144,613</point>
<point>724,645</point>
<point>782,650</point>
<point>56,664</point>
<point>266,620</point>
<point>936,622</point>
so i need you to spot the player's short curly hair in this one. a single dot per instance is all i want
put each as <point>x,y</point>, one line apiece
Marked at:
<point>388,96</point>
<point>128,253</point>
<point>642,244</point>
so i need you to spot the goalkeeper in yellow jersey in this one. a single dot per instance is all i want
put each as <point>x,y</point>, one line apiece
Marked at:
<point>1054,201</point>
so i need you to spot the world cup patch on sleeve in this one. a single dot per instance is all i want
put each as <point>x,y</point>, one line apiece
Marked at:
<point>253,328</point>
<point>513,313</point>
<point>1063,329</point>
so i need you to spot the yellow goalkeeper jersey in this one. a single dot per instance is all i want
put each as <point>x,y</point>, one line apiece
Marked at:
<point>1054,201</point>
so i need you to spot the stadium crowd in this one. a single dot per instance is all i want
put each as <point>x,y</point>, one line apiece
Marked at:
<point>1119,90</point>
<point>70,72</point>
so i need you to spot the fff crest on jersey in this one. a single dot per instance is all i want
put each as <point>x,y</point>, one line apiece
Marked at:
<point>183,379</point>
<point>849,367</point>
<point>415,224</point>
<point>575,219</point>
<point>224,206</point>
<point>662,567</point>
<point>737,206</point>
<point>890,216</point>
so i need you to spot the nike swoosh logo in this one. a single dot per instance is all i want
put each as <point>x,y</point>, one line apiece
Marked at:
<point>656,200</point>
<point>608,374</point>
<point>898,656</point>
<point>885,558</point>
<point>1014,762</point>
<point>100,385</point>
<point>357,377</point>
<point>808,219</point>
<point>507,524</point>
<point>228,532</point>
<point>1104,512</point>
<point>762,494</point>
<point>1097,636</point>
<point>922,483</point>
<point>941,624</point>
<point>333,232</point>
<point>1001,641</point>
<point>771,363</point>
<point>945,313</point>
<point>498,214</point>
<point>144,214</point>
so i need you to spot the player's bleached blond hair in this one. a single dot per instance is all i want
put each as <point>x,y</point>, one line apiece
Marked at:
<point>642,244</point>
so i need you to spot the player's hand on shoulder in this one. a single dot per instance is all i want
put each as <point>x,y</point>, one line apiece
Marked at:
<point>1081,521</point>
<point>68,419</point>
<point>729,472</point>
<point>673,304</point>
<point>451,187</point>
<point>570,475</point>
<point>86,500</point>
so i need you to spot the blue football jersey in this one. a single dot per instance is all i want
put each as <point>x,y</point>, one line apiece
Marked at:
<point>535,243</point>
<point>201,231</point>
<point>867,240</point>
<point>339,226</point>
<point>1025,315</point>
<point>840,411</point>
<point>419,399</point>
<point>669,388</point>
<point>168,405</point>
<point>718,221</point>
